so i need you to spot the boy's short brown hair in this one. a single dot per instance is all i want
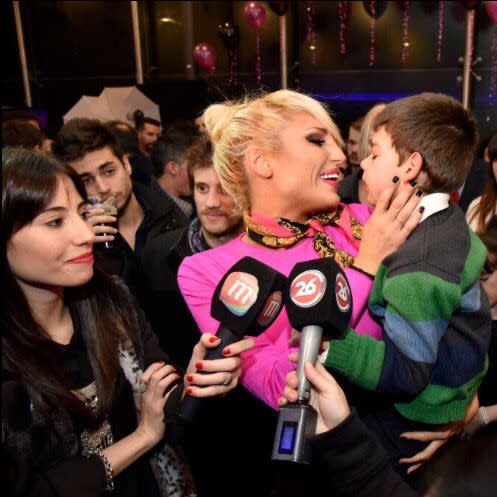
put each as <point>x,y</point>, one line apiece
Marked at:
<point>198,156</point>
<point>440,129</point>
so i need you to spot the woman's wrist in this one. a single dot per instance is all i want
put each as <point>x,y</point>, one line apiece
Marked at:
<point>366,265</point>
<point>145,438</point>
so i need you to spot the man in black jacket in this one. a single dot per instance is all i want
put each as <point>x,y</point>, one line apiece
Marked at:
<point>218,222</point>
<point>236,434</point>
<point>142,215</point>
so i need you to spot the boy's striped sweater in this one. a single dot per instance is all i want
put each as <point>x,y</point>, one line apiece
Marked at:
<point>436,321</point>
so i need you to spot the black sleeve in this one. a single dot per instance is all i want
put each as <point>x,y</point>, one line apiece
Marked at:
<point>27,449</point>
<point>75,476</point>
<point>358,465</point>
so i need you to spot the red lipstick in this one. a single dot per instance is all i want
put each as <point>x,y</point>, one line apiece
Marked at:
<point>83,259</point>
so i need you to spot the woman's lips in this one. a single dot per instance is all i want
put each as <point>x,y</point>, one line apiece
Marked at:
<point>330,177</point>
<point>83,259</point>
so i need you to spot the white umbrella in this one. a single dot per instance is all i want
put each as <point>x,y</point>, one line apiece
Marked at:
<point>91,108</point>
<point>123,101</point>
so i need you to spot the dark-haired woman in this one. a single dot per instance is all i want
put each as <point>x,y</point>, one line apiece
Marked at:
<point>85,385</point>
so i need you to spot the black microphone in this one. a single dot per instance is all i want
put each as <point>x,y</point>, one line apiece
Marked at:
<point>318,300</point>
<point>246,301</point>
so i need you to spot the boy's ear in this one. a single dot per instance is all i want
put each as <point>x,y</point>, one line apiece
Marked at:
<point>412,166</point>
<point>255,162</point>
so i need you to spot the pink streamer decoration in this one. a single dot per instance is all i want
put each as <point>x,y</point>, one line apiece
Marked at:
<point>441,9</point>
<point>311,35</point>
<point>343,8</point>
<point>258,65</point>
<point>493,67</point>
<point>233,67</point>
<point>372,48</point>
<point>405,29</point>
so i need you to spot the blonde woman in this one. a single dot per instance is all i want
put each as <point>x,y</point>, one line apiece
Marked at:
<point>279,157</point>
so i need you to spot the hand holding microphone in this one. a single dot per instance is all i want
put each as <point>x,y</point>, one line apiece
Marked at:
<point>327,397</point>
<point>246,301</point>
<point>318,300</point>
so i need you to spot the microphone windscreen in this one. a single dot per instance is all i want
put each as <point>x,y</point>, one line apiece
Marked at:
<point>249,297</point>
<point>318,293</point>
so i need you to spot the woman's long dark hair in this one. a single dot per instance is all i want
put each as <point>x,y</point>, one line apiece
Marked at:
<point>98,308</point>
<point>486,208</point>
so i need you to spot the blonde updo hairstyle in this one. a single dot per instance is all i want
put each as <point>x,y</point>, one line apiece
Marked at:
<point>234,126</point>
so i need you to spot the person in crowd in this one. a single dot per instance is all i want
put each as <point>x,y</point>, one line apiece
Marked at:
<point>148,130</point>
<point>22,117</point>
<point>482,218</point>
<point>356,463</point>
<point>200,123</point>
<point>475,182</point>
<point>219,221</point>
<point>87,393</point>
<point>484,208</point>
<point>351,189</point>
<point>278,156</point>
<point>427,294</point>
<point>171,172</point>
<point>353,139</point>
<point>126,136</point>
<point>22,134</point>
<point>91,149</point>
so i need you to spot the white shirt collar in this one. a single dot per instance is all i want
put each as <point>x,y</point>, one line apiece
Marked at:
<point>434,202</point>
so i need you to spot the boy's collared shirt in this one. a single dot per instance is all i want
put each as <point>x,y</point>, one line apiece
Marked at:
<point>433,203</point>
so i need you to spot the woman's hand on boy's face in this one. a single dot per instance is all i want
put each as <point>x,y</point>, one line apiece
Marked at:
<point>395,216</point>
<point>222,374</point>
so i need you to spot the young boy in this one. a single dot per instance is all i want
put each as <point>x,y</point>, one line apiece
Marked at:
<point>427,294</point>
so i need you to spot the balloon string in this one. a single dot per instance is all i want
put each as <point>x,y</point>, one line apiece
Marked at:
<point>233,68</point>
<point>342,16</point>
<point>493,68</point>
<point>405,29</point>
<point>372,55</point>
<point>441,8</point>
<point>258,58</point>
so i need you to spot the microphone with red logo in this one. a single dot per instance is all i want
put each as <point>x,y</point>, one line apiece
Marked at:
<point>318,300</point>
<point>246,302</point>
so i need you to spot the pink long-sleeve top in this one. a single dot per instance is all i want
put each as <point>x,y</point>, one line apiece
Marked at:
<point>266,365</point>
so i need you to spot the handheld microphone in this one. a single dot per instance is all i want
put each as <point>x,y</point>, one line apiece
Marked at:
<point>318,300</point>
<point>247,300</point>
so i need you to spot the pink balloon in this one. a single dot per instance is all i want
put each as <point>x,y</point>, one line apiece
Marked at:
<point>491,8</point>
<point>255,14</point>
<point>205,56</point>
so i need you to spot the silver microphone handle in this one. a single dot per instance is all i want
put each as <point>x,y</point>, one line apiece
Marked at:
<point>310,342</point>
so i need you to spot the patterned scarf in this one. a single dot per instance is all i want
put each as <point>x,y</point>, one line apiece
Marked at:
<point>283,233</point>
<point>196,238</point>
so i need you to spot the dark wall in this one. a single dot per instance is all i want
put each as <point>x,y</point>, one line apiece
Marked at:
<point>78,47</point>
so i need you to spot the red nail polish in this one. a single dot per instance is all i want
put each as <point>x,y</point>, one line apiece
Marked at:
<point>226,351</point>
<point>161,363</point>
<point>189,378</point>
<point>199,365</point>
<point>189,391</point>
<point>213,339</point>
